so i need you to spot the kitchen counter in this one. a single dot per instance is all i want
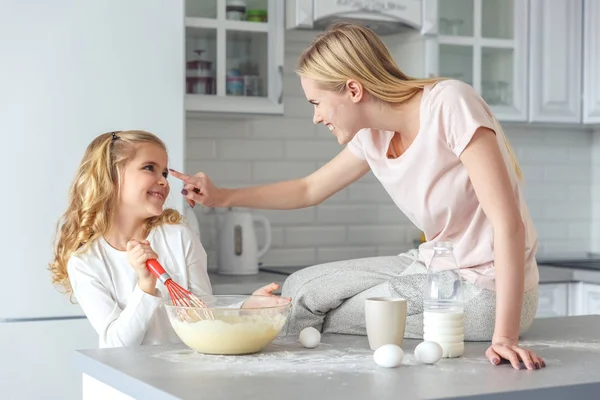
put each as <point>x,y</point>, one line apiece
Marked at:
<point>552,274</point>
<point>342,367</point>
<point>240,284</point>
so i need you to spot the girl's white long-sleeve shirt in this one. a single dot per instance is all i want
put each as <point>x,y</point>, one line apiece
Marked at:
<point>105,286</point>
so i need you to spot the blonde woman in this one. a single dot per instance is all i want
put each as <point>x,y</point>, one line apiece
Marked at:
<point>444,160</point>
<point>114,223</point>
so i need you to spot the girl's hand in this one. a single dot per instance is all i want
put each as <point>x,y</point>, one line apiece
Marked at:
<point>509,349</point>
<point>138,252</point>
<point>198,189</point>
<point>263,291</point>
<point>267,290</point>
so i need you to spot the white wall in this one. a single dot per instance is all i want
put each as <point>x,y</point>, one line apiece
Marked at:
<point>69,73</point>
<point>595,235</point>
<point>361,220</point>
<point>70,70</point>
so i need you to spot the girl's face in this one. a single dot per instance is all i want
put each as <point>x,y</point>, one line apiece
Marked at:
<point>340,112</point>
<point>144,185</point>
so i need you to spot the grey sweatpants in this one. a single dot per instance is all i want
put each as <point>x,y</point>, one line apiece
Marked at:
<point>331,297</point>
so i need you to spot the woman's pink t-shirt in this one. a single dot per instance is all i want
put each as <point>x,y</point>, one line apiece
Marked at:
<point>429,183</point>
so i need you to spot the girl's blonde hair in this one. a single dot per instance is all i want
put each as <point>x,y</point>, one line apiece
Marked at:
<point>348,51</point>
<point>93,197</point>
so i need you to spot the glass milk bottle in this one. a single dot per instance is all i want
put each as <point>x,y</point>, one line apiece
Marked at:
<point>443,303</point>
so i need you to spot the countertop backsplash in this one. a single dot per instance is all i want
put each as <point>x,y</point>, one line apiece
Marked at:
<point>559,163</point>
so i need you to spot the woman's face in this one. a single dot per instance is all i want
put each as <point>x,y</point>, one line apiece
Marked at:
<point>340,112</point>
<point>144,185</point>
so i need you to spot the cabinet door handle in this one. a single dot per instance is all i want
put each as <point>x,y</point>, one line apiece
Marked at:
<point>280,99</point>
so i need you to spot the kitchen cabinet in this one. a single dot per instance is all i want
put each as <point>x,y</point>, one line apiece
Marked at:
<point>484,43</point>
<point>481,42</point>
<point>530,60</point>
<point>565,61</point>
<point>584,298</point>
<point>591,62</point>
<point>234,56</point>
<point>553,300</point>
<point>555,77</point>
<point>567,299</point>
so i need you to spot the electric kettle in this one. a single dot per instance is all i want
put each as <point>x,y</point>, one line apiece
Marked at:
<point>238,246</point>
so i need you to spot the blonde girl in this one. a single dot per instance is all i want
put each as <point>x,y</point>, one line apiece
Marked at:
<point>115,221</point>
<point>443,158</point>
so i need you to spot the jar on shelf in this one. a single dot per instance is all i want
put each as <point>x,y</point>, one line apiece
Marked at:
<point>199,76</point>
<point>256,15</point>
<point>234,84</point>
<point>251,79</point>
<point>235,10</point>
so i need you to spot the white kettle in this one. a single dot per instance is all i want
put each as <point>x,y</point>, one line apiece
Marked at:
<point>238,247</point>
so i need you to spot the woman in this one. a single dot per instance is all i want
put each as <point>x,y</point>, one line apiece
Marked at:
<point>444,160</point>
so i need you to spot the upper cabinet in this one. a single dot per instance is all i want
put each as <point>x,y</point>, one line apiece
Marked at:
<point>555,79</point>
<point>234,56</point>
<point>591,62</point>
<point>484,43</point>
<point>481,42</point>
<point>531,60</point>
<point>560,51</point>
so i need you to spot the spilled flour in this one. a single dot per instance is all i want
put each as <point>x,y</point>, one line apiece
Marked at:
<point>289,358</point>
<point>286,356</point>
<point>561,344</point>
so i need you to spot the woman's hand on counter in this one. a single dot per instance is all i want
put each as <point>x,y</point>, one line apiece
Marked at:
<point>508,349</point>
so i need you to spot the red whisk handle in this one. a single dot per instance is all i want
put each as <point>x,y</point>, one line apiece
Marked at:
<point>157,270</point>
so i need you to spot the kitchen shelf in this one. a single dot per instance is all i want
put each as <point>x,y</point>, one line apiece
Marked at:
<point>231,104</point>
<point>234,66</point>
<point>243,26</point>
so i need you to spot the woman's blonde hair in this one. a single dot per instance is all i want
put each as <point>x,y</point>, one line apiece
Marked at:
<point>93,197</point>
<point>349,51</point>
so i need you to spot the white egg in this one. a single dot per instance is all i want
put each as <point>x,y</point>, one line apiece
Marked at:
<point>428,352</point>
<point>388,356</point>
<point>310,337</point>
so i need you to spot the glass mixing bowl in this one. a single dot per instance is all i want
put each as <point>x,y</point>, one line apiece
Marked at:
<point>230,324</point>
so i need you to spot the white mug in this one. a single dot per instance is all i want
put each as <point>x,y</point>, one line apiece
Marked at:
<point>385,319</point>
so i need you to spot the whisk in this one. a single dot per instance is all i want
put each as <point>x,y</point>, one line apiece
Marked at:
<point>180,296</point>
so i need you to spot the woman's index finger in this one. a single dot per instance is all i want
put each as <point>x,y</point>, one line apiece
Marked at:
<point>179,175</point>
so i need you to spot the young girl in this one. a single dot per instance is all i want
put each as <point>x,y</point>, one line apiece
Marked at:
<point>437,149</point>
<point>115,222</point>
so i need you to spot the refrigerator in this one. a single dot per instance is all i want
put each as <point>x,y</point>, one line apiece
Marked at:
<point>70,70</point>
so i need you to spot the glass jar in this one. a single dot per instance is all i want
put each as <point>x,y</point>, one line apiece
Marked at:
<point>257,15</point>
<point>236,10</point>
<point>443,302</point>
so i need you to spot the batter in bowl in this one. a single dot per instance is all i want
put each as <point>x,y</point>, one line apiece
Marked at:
<point>233,334</point>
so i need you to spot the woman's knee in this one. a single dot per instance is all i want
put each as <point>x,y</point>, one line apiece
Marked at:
<point>298,279</point>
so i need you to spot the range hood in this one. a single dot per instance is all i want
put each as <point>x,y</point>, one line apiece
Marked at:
<point>384,17</point>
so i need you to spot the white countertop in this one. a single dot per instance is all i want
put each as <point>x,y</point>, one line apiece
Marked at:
<point>342,367</point>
